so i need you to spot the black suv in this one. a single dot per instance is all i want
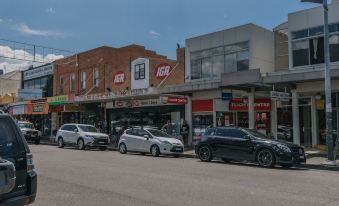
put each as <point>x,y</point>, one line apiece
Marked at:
<point>18,179</point>
<point>233,143</point>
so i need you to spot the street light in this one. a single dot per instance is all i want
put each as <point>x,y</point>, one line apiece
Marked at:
<point>328,90</point>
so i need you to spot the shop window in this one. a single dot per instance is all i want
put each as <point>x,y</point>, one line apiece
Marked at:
<point>242,60</point>
<point>300,53</point>
<point>206,67</point>
<point>196,69</point>
<point>95,77</point>
<point>218,66</point>
<point>334,48</point>
<point>139,72</point>
<point>72,82</point>
<point>61,84</point>
<point>300,34</point>
<point>317,50</point>
<point>231,62</point>
<point>334,27</point>
<point>316,31</point>
<point>83,80</point>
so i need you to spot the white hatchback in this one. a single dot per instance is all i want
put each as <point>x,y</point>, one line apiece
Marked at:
<point>149,140</point>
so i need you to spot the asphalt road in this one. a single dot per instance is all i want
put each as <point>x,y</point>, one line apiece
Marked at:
<point>84,178</point>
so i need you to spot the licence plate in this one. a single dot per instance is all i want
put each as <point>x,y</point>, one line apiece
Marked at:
<point>178,149</point>
<point>301,157</point>
<point>101,142</point>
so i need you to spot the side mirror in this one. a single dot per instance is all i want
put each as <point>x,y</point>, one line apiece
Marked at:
<point>7,176</point>
<point>76,130</point>
<point>146,136</point>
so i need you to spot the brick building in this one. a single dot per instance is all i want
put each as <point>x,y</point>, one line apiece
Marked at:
<point>109,83</point>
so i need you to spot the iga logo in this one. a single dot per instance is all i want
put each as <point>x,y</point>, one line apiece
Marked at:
<point>162,70</point>
<point>119,78</point>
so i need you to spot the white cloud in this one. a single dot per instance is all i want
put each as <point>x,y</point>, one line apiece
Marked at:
<point>12,61</point>
<point>50,10</point>
<point>153,33</point>
<point>1,20</point>
<point>25,29</point>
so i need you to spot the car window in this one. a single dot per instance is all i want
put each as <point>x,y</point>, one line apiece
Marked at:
<point>8,139</point>
<point>72,128</point>
<point>65,127</point>
<point>210,131</point>
<point>222,132</point>
<point>130,132</point>
<point>236,133</point>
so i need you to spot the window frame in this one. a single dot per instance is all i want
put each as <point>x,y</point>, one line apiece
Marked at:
<point>83,80</point>
<point>72,82</point>
<point>141,72</point>
<point>96,76</point>
<point>61,83</point>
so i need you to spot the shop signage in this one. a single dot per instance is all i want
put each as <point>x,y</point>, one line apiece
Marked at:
<point>29,94</point>
<point>226,96</point>
<point>174,100</point>
<point>162,70</point>
<point>119,78</point>
<point>241,105</point>
<point>38,72</point>
<point>18,110</point>
<point>280,96</point>
<point>37,108</point>
<point>136,103</point>
<point>62,99</point>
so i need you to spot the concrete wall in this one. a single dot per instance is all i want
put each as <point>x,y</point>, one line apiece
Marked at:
<point>10,83</point>
<point>261,45</point>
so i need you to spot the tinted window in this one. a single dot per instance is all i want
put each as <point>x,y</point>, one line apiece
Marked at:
<point>210,132</point>
<point>68,127</point>
<point>223,132</point>
<point>236,133</point>
<point>8,140</point>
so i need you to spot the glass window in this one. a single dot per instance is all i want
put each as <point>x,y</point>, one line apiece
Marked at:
<point>334,27</point>
<point>218,66</point>
<point>242,60</point>
<point>8,139</point>
<point>206,67</point>
<point>37,84</point>
<point>317,50</point>
<point>139,72</point>
<point>196,69</point>
<point>83,80</point>
<point>334,48</point>
<point>223,132</point>
<point>316,31</point>
<point>61,83</point>
<point>72,82</point>
<point>95,77</point>
<point>231,62</point>
<point>300,53</point>
<point>87,128</point>
<point>236,47</point>
<point>43,82</point>
<point>236,133</point>
<point>300,34</point>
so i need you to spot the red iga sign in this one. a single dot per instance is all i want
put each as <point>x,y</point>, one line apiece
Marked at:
<point>162,70</point>
<point>242,106</point>
<point>119,78</point>
<point>176,100</point>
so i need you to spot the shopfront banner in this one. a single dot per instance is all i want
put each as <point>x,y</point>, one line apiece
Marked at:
<point>29,94</point>
<point>136,103</point>
<point>242,106</point>
<point>174,100</point>
<point>38,108</point>
<point>62,99</point>
<point>18,109</point>
<point>38,72</point>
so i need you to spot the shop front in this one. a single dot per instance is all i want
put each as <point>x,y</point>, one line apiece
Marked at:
<point>38,114</point>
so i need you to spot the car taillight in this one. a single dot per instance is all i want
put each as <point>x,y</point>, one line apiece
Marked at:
<point>30,165</point>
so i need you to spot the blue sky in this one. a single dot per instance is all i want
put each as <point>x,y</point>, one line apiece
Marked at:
<point>79,25</point>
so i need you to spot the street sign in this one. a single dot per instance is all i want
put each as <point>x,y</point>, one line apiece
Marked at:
<point>226,96</point>
<point>280,96</point>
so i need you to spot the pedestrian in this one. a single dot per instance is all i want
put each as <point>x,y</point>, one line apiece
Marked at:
<point>185,131</point>
<point>168,127</point>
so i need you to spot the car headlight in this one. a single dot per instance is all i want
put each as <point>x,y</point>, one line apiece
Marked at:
<point>167,143</point>
<point>90,138</point>
<point>283,148</point>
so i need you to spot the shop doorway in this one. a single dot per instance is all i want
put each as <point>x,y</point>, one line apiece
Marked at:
<point>305,121</point>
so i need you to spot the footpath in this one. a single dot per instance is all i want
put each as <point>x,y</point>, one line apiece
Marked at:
<point>315,158</point>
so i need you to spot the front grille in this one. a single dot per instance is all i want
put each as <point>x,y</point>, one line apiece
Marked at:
<point>298,150</point>
<point>177,149</point>
<point>101,141</point>
<point>32,133</point>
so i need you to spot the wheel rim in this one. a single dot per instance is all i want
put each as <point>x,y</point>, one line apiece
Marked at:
<point>60,142</point>
<point>154,150</point>
<point>122,148</point>
<point>265,158</point>
<point>81,144</point>
<point>204,153</point>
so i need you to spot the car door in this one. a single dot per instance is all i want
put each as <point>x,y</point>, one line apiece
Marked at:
<point>146,142</point>
<point>242,146</point>
<point>72,135</point>
<point>130,139</point>
<point>65,133</point>
<point>221,143</point>
<point>13,149</point>
<point>139,140</point>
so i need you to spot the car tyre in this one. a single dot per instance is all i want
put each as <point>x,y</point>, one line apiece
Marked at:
<point>61,143</point>
<point>226,160</point>
<point>122,148</point>
<point>266,158</point>
<point>205,153</point>
<point>103,148</point>
<point>286,165</point>
<point>81,144</point>
<point>155,151</point>
<point>37,141</point>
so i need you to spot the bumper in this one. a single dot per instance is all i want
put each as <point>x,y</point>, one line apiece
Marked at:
<point>29,198</point>
<point>29,137</point>
<point>290,158</point>
<point>172,150</point>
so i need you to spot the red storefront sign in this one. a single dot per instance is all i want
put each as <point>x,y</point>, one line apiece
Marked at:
<point>162,70</point>
<point>202,105</point>
<point>241,106</point>
<point>119,78</point>
<point>175,100</point>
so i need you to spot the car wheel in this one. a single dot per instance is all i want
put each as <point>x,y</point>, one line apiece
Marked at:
<point>81,144</point>
<point>122,148</point>
<point>61,143</point>
<point>37,141</point>
<point>205,153</point>
<point>286,165</point>
<point>155,151</point>
<point>103,148</point>
<point>226,160</point>
<point>176,155</point>
<point>266,158</point>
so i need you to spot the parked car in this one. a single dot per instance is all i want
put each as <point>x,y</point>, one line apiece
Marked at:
<point>149,140</point>
<point>81,135</point>
<point>233,143</point>
<point>29,132</point>
<point>18,179</point>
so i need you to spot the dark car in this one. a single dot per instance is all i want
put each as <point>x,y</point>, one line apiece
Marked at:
<point>232,143</point>
<point>18,179</point>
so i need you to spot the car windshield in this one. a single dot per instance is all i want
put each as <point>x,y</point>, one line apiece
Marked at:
<point>158,133</point>
<point>256,134</point>
<point>26,125</point>
<point>85,128</point>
